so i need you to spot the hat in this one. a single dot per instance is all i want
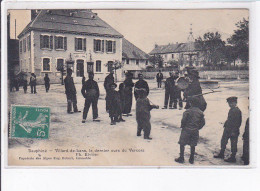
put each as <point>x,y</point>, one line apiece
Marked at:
<point>112,84</point>
<point>232,99</point>
<point>141,91</point>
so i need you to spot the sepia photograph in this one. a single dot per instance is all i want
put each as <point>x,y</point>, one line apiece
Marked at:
<point>128,87</point>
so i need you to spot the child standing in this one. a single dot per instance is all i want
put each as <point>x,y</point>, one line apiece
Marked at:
<point>192,121</point>
<point>143,115</point>
<point>113,104</point>
<point>25,83</point>
<point>231,130</point>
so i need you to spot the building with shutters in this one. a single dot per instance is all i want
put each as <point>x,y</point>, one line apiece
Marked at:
<point>76,39</point>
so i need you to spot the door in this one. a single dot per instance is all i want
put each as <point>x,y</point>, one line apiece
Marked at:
<point>80,68</point>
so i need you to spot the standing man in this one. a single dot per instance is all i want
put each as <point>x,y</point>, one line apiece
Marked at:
<point>47,82</point>
<point>107,84</point>
<point>169,91</point>
<point>90,92</point>
<point>159,78</point>
<point>231,130</point>
<point>128,93</point>
<point>177,94</point>
<point>141,83</point>
<point>194,89</point>
<point>71,92</point>
<point>33,83</point>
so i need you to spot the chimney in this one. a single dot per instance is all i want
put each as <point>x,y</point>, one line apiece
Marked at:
<point>34,13</point>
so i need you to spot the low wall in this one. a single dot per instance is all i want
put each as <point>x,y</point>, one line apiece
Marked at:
<point>226,74</point>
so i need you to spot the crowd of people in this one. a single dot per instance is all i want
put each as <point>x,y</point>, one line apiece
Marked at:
<point>119,104</point>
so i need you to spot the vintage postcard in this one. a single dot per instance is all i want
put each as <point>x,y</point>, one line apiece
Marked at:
<point>126,87</point>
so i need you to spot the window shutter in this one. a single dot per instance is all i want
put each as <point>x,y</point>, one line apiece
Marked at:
<point>29,42</point>
<point>114,46</point>
<point>76,44</point>
<point>102,46</point>
<point>41,41</point>
<point>94,45</point>
<point>51,42</point>
<point>84,44</point>
<point>65,43</point>
<point>55,42</point>
<point>106,46</point>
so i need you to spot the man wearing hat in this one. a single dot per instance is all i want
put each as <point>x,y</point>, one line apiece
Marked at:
<point>231,130</point>
<point>159,78</point>
<point>108,81</point>
<point>141,83</point>
<point>71,92</point>
<point>128,92</point>
<point>169,91</point>
<point>90,92</point>
<point>194,89</point>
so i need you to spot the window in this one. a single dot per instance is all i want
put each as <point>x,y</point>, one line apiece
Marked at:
<point>60,42</point>
<point>80,44</point>
<point>21,46</point>
<point>127,61</point>
<point>24,45</point>
<point>109,66</point>
<point>97,45</point>
<point>60,64</point>
<point>165,56</point>
<point>98,66</point>
<point>110,46</point>
<point>29,42</point>
<point>46,41</point>
<point>21,65</point>
<point>137,62</point>
<point>46,65</point>
<point>172,55</point>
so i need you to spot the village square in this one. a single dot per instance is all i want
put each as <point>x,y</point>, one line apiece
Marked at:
<point>105,93</point>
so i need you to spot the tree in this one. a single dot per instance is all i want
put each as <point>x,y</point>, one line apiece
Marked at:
<point>115,65</point>
<point>213,47</point>
<point>173,63</point>
<point>156,59</point>
<point>240,40</point>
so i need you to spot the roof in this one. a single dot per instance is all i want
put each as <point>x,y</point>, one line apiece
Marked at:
<point>130,51</point>
<point>174,48</point>
<point>71,21</point>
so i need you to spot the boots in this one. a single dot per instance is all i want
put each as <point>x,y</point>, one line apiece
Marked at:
<point>180,159</point>
<point>192,153</point>
<point>232,158</point>
<point>220,155</point>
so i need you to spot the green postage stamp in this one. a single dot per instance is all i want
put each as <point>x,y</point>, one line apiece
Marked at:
<point>29,122</point>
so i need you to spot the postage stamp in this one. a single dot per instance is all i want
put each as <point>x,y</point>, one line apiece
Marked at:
<point>30,122</point>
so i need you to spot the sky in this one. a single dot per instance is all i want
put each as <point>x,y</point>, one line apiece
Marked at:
<point>145,28</point>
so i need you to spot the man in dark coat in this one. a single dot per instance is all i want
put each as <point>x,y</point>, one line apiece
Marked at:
<point>107,83</point>
<point>169,91</point>
<point>177,94</point>
<point>47,82</point>
<point>90,92</point>
<point>71,92</point>
<point>245,156</point>
<point>231,130</point>
<point>128,92</point>
<point>141,84</point>
<point>113,104</point>
<point>159,78</point>
<point>33,83</point>
<point>194,89</point>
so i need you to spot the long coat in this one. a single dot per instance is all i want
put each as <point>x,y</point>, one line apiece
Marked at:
<point>128,95</point>
<point>113,103</point>
<point>69,85</point>
<point>195,89</point>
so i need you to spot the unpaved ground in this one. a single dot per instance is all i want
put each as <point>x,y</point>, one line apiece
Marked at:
<point>67,131</point>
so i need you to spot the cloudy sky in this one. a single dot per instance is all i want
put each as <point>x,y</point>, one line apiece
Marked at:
<point>144,28</point>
